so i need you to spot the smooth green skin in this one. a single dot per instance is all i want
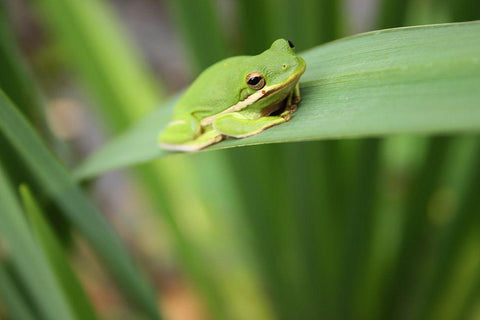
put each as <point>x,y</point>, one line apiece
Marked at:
<point>220,103</point>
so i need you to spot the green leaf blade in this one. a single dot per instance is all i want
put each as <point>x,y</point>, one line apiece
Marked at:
<point>90,34</point>
<point>406,80</point>
<point>83,214</point>
<point>26,257</point>
<point>12,297</point>
<point>53,251</point>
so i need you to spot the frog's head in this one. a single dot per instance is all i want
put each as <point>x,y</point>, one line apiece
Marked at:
<point>272,71</point>
<point>260,80</point>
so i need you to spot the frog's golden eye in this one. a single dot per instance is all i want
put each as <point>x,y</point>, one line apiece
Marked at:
<point>290,43</point>
<point>255,81</point>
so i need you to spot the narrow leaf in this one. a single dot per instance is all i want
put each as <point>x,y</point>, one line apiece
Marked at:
<point>31,264</point>
<point>15,78</point>
<point>197,21</point>
<point>17,306</point>
<point>53,250</point>
<point>82,213</point>
<point>90,34</point>
<point>407,80</point>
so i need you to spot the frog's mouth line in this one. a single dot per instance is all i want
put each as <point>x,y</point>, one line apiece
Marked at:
<point>260,94</point>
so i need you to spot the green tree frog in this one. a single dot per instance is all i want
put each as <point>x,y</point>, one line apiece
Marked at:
<point>236,97</point>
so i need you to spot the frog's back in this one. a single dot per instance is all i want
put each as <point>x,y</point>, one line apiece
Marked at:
<point>216,89</point>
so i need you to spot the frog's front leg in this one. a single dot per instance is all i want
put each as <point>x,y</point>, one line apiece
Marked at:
<point>296,97</point>
<point>237,125</point>
<point>291,103</point>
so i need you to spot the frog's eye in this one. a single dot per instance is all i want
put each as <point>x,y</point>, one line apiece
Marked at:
<point>290,43</point>
<point>255,81</point>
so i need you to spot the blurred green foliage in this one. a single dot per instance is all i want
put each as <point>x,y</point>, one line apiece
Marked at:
<point>381,228</point>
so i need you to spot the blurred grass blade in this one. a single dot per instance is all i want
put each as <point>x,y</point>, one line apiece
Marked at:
<point>60,186</point>
<point>415,231</point>
<point>31,264</point>
<point>463,226</point>
<point>12,297</point>
<point>15,78</point>
<point>407,80</point>
<point>359,226</point>
<point>315,29</point>
<point>16,81</point>
<point>255,18</point>
<point>199,24</point>
<point>464,10</point>
<point>314,23</point>
<point>108,65</point>
<point>53,250</point>
<point>470,308</point>
<point>392,13</point>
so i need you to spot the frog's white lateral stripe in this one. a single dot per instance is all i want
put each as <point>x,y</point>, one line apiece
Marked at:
<point>176,122</point>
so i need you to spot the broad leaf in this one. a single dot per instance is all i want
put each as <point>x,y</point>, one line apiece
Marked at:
<point>408,80</point>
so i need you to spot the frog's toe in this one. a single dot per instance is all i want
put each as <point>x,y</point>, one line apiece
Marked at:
<point>289,110</point>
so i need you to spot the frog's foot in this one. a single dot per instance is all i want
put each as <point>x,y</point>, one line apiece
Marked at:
<point>205,139</point>
<point>289,110</point>
<point>237,125</point>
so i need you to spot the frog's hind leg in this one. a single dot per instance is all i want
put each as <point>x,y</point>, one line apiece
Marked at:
<point>238,125</point>
<point>180,130</point>
<point>209,137</point>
